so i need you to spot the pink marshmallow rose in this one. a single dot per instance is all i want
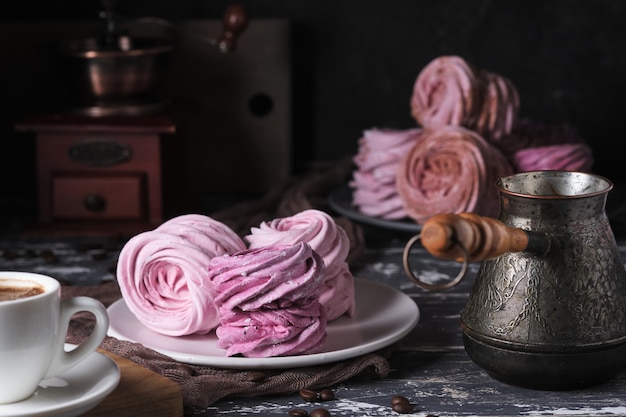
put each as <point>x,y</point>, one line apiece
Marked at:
<point>162,273</point>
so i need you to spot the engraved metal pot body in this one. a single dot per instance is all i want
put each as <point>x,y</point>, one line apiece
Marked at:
<point>553,315</point>
<point>556,319</point>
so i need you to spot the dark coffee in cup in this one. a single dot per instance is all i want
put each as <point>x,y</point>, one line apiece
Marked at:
<point>16,289</point>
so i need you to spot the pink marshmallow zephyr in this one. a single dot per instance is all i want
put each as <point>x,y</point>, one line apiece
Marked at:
<point>451,92</point>
<point>452,169</point>
<point>162,274</point>
<point>328,239</point>
<point>446,92</point>
<point>374,180</point>
<point>268,301</point>
<point>566,157</point>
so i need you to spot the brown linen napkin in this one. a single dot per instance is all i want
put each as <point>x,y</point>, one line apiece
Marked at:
<point>203,385</point>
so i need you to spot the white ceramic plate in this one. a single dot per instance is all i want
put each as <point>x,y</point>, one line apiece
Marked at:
<point>72,393</point>
<point>383,316</point>
<point>340,200</point>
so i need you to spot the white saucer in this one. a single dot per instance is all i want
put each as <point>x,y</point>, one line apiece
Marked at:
<point>383,316</point>
<point>72,393</point>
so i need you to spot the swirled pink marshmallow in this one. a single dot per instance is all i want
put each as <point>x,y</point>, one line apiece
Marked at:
<point>268,300</point>
<point>162,274</point>
<point>328,239</point>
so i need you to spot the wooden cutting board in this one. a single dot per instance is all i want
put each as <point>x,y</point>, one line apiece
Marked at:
<point>140,393</point>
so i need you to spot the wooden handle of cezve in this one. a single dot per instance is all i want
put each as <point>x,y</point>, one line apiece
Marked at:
<point>453,236</point>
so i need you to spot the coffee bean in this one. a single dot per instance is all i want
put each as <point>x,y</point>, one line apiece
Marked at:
<point>298,412</point>
<point>401,404</point>
<point>402,407</point>
<point>399,399</point>
<point>327,394</point>
<point>308,395</point>
<point>256,377</point>
<point>319,412</point>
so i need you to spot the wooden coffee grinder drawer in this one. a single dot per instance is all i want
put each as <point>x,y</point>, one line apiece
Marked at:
<point>104,175</point>
<point>91,197</point>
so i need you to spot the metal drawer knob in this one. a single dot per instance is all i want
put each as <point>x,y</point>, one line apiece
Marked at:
<point>95,203</point>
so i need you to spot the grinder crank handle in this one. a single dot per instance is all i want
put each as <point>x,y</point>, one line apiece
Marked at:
<point>234,23</point>
<point>468,237</point>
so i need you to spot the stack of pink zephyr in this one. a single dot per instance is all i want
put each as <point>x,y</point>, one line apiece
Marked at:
<point>268,300</point>
<point>194,275</point>
<point>453,168</point>
<point>470,134</point>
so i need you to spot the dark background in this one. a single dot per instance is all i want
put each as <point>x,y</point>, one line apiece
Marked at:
<point>355,62</point>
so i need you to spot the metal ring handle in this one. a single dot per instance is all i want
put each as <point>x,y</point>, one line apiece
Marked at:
<point>432,287</point>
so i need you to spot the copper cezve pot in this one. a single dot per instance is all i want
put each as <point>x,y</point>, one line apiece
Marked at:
<point>547,309</point>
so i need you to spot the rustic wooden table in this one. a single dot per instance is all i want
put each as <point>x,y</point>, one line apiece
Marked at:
<point>429,366</point>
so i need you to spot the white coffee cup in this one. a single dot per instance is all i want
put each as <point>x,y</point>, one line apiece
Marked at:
<point>33,330</point>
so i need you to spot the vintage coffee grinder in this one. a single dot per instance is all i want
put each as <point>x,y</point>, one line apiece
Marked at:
<point>548,306</point>
<point>109,161</point>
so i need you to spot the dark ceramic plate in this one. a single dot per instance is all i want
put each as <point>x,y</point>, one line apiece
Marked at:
<point>340,200</point>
